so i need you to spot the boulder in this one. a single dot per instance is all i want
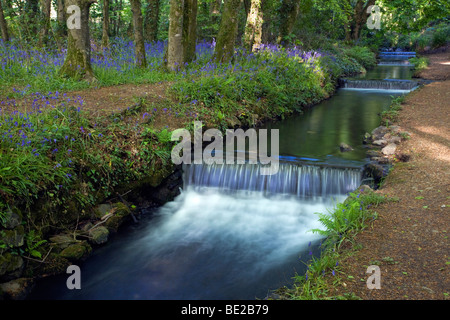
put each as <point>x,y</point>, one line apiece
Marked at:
<point>76,251</point>
<point>379,132</point>
<point>11,266</point>
<point>374,171</point>
<point>14,237</point>
<point>99,235</point>
<point>389,149</point>
<point>380,142</point>
<point>14,219</point>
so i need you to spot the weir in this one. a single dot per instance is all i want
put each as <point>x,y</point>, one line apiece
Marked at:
<point>385,84</point>
<point>302,180</point>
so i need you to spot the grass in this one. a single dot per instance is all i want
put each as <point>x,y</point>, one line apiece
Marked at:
<point>392,113</point>
<point>341,225</point>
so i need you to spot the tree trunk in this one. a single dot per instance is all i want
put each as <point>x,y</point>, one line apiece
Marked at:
<point>189,29</point>
<point>139,46</point>
<point>32,15</point>
<point>43,35</point>
<point>61,30</point>
<point>226,38</point>
<point>357,20</point>
<point>175,48</point>
<point>3,25</point>
<point>151,20</point>
<point>105,29</point>
<point>253,27</point>
<point>78,59</point>
<point>288,14</point>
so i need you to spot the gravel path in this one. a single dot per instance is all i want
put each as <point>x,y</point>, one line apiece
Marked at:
<point>410,239</point>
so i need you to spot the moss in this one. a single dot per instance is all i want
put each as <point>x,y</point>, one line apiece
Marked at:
<point>76,252</point>
<point>13,238</point>
<point>9,263</point>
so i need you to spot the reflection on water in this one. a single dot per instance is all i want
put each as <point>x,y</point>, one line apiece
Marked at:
<point>346,117</point>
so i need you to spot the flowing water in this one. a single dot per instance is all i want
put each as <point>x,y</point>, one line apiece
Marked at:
<point>233,233</point>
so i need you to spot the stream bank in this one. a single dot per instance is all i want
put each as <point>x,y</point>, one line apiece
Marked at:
<point>64,223</point>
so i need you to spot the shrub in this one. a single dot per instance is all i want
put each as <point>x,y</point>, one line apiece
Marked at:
<point>363,55</point>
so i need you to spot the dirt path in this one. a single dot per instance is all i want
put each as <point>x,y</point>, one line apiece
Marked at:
<point>410,239</point>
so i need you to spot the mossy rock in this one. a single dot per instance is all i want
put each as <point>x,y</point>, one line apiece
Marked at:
<point>13,238</point>
<point>113,223</point>
<point>10,265</point>
<point>14,218</point>
<point>76,252</point>
<point>99,235</point>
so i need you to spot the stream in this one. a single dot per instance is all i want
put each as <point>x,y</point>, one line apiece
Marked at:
<point>230,235</point>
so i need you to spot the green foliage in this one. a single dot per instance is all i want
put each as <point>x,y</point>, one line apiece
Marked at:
<point>363,55</point>
<point>349,217</point>
<point>341,224</point>
<point>392,113</point>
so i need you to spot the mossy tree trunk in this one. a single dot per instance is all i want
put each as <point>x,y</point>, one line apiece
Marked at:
<point>138,30</point>
<point>253,26</point>
<point>189,29</point>
<point>288,14</point>
<point>228,30</point>
<point>3,25</point>
<point>151,20</point>
<point>175,47</point>
<point>78,59</point>
<point>105,27</point>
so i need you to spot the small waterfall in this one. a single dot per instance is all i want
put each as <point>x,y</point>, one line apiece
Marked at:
<point>394,63</point>
<point>396,55</point>
<point>303,181</point>
<point>386,84</point>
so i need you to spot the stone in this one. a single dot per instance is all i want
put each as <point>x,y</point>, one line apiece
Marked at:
<point>99,235</point>
<point>373,153</point>
<point>379,132</point>
<point>10,265</point>
<point>14,219</point>
<point>76,252</point>
<point>62,240</point>
<point>13,238</point>
<point>345,147</point>
<point>17,289</point>
<point>373,171</point>
<point>394,140</point>
<point>380,143</point>
<point>389,149</point>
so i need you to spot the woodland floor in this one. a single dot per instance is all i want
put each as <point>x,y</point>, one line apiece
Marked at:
<point>410,239</point>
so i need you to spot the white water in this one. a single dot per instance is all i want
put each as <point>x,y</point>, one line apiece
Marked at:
<point>206,245</point>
